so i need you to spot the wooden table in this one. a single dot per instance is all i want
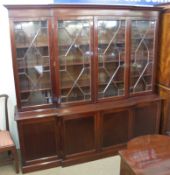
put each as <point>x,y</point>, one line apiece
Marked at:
<point>146,155</point>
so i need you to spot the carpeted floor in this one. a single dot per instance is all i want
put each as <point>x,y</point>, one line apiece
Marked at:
<point>107,166</point>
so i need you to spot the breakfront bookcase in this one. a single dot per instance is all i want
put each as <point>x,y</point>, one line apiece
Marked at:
<point>85,80</point>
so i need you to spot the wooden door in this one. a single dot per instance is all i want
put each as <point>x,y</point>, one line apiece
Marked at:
<point>39,139</point>
<point>116,128</point>
<point>79,135</point>
<point>147,119</point>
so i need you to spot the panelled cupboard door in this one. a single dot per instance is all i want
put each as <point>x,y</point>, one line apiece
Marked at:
<point>146,119</point>
<point>74,57</point>
<point>79,134</point>
<point>39,139</point>
<point>110,51</point>
<point>116,127</point>
<point>32,61</point>
<point>142,63</point>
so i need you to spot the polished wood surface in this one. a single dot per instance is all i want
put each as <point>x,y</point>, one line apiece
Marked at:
<point>5,139</point>
<point>39,142</point>
<point>164,72</point>
<point>130,102</point>
<point>165,124</point>
<point>6,142</point>
<point>115,127</point>
<point>82,126</point>
<point>146,117</point>
<point>164,62</point>
<point>52,15</point>
<point>84,133</point>
<point>146,155</point>
<point>64,134</point>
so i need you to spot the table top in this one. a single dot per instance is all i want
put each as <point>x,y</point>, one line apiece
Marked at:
<point>148,155</point>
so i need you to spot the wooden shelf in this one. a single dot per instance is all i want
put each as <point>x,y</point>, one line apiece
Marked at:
<point>85,84</point>
<point>75,64</point>
<point>88,44</point>
<point>22,46</point>
<point>86,63</point>
<point>113,43</point>
<point>145,75</point>
<point>35,90</point>
<point>22,58</point>
<point>44,71</point>
<point>111,61</point>
<point>147,38</point>
<point>33,66</point>
<point>26,100</point>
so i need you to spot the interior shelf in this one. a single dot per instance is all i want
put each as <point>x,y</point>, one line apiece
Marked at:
<point>35,90</point>
<point>86,84</point>
<point>33,66</point>
<point>22,46</point>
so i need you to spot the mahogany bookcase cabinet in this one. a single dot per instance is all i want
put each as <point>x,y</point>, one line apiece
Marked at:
<point>85,80</point>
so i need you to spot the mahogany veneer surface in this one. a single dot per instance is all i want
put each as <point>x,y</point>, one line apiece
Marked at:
<point>147,155</point>
<point>86,108</point>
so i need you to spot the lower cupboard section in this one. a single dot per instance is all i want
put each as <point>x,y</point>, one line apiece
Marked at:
<point>69,139</point>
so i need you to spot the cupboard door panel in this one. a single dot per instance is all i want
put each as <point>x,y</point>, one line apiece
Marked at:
<point>111,57</point>
<point>147,119</point>
<point>38,138</point>
<point>79,134</point>
<point>142,55</point>
<point>33,62</point>
<point>74,53</point>
<point>115,127</point>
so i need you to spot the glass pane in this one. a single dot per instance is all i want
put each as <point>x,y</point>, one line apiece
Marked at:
<point>75,60</point>
<point>142,61</point>
<point>31,39</point>
<point>111,58</point>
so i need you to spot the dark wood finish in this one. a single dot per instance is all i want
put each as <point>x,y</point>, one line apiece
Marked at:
<point>39,141</point>
<point>83,133</point>
<point>115,127</point>
<point>54,6</point>
<point>81,109</point>
<point>79,134</point>
<point>144,120</point>
<point>146,155</point>
<point>73,132</point>
<point>39,137</point>
<point>79,12</point>
<point>165,121</point>
<point>6,142</point>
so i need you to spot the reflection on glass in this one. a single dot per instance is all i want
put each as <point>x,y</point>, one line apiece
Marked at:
<point>74,57</point>
<point>143,33</point>
<point>31,41</point>
<point>111,58</point>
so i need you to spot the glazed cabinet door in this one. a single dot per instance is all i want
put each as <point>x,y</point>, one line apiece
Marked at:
<point>78,135</point>
<point>116,128</point>
<point>147,119</point>
<point>110,51</point>
<point>32,62</point>
<point>143,38</point>
<point>39,140</point>
<point>74,53</point>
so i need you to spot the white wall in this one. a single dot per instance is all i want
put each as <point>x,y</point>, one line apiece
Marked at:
<point>6,71</point>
